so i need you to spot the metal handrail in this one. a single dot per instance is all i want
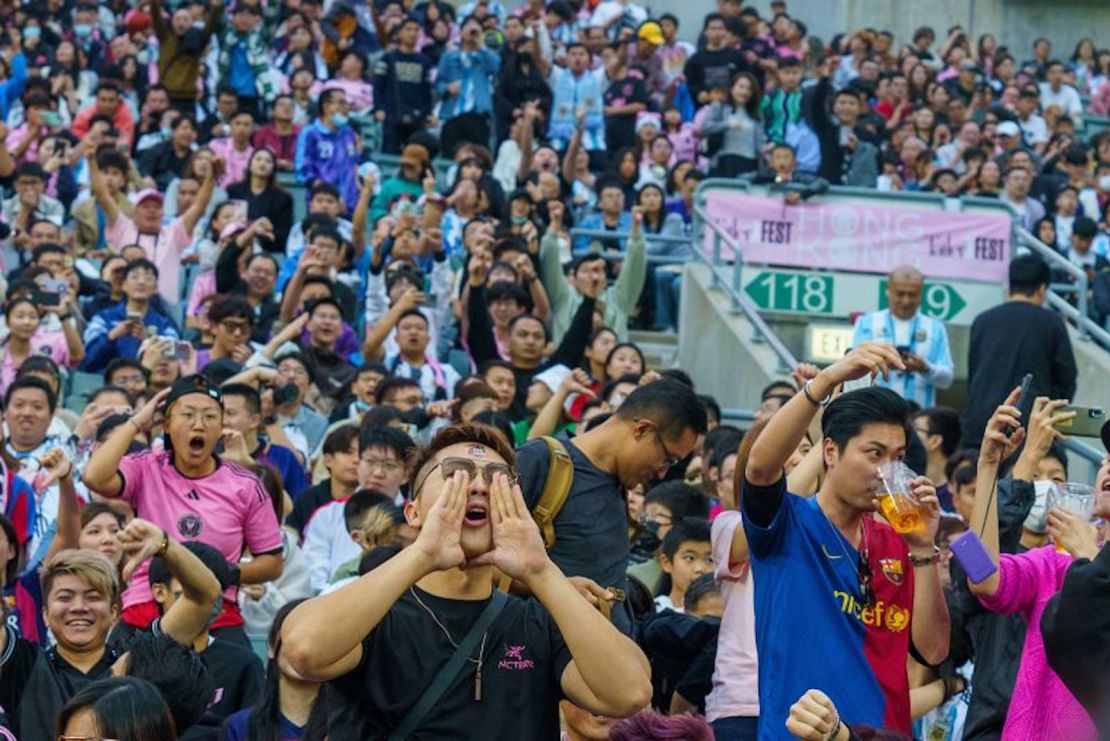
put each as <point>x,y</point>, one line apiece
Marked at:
<point>1088,329</point>
<point>739,302</point>
<point>604,234</point>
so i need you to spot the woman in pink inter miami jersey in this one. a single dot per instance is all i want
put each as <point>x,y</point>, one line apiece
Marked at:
<point>190,493</point>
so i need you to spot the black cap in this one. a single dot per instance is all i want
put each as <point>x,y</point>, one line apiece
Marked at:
<point>1084,226</point>
<point>194,384</point>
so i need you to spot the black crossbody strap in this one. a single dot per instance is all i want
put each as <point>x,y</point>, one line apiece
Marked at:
<point>451,669</point>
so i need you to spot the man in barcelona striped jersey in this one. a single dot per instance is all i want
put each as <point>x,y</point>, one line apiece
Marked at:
<point>840,598</point>
<point>921,340</point>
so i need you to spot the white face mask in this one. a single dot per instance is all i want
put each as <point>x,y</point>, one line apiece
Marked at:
<point>1035,522</point>
<point>1104,183</point>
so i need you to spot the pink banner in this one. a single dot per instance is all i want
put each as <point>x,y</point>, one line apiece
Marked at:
<point>862,238</point>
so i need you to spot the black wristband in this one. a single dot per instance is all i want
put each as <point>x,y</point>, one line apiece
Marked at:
<point>236,575</point>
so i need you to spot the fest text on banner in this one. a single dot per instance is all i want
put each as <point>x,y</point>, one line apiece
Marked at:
<point>862,237</point>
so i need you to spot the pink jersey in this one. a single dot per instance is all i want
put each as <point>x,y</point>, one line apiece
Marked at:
<point>228,510</point>
<point>735,690</point>
<point>163,249</point>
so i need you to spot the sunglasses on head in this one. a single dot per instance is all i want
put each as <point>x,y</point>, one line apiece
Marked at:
<point>450,466</point>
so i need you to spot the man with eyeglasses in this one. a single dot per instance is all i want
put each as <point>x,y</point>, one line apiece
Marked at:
<point>232,320</point>
<point>118,332</point>
<point>382,468</point>
<point>656,427</point>
<point>191,494</point>
<point>838,593</point>
<point>382,639</point>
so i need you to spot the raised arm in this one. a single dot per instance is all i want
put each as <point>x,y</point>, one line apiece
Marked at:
<point>98,186</point>
<point>633,275</point>
<point>101,473</point>
<point>998,443</point>
<point>200,589</point>
<point>60,469</point>
<point>576,382</point>
<point>558,290</point>
<point>572,347</point>
<point>358,218</point>
<point>204,195</point>
<point>785,430</point>
<point>322,638</point>
<point>377,335</point>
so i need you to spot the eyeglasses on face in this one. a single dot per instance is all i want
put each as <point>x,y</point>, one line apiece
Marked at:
<point>450,466</point>
<point>670,459</point>
<point>233,327</point>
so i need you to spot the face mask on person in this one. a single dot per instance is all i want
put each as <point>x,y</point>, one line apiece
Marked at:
<point>1036,521</point>
<point>82,30</point>
<point>31,32</point>
<point>417,416</point>
<point>1104,183</point>
<point>166,132</point>
<point>340,119</point>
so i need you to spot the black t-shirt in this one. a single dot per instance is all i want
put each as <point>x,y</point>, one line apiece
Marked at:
<point>522,668</point>
<point>16,663</point>
<point>305,505</point>
<point>236,674</point>
<point>709,69</point>
<point>620,130</point>
<point>50,683</point>
<point>591,529</point>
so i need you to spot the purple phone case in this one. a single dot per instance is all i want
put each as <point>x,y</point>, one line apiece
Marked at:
<point>973,558</point>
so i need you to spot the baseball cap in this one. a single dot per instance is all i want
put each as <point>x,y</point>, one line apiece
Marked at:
<point>414,154</point>
<point>651,32</point>
<point>194,384</point>
<point>1008,128</point>
<point>145,194</point>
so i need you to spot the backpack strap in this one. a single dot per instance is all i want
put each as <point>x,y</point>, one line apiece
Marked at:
<point>556,488</point>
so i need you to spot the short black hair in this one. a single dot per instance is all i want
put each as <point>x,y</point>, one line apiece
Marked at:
<point>110,390</point>
<point>671,405</point>
<point>712,408</point>
<point>704,586</point>
<point>227,307</point>
<point>340,439</point>
<point>31,382</point>
<point>676,374</point>
<point>139,263</point>
<point>944,421</point>
<point>31,169</point>
<point>249,394</point>
<point>387,437</point>
<point>686,530</point>
<point>47,248</point>
<point>118,364</point>
<point>361,502</point>
<point>506,290</point>
<point>215,561</point>
<point>389,385</point>
<point>376,556</point>
<point>846,416</point>
<point>1028,273</point>
<point>681,499</point>
<point>176,670</point>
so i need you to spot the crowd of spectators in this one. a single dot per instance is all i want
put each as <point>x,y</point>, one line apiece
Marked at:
<point>323,419</point>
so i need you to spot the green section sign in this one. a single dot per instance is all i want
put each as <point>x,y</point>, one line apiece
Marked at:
<point>938,300</point>
<point>793,292</point>
<point>824,294</point>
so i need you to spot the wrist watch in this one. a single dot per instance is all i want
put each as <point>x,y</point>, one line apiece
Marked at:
<point>919,561</point>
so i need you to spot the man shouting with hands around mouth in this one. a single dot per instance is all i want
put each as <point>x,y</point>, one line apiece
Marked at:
<point>424,647</point>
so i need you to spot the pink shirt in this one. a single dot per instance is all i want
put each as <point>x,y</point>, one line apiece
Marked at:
<point>235,160</point>
<point>228,509</point>
<point>360,94</point>
<point>735,690</point>
<point>51,344</point>
<point>203,287</point>
<point>1041,706</point>
<point>163,249</point>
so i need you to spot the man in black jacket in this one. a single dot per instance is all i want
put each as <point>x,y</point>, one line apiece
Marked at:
<point>847,158</point>
<point>1015,338</point>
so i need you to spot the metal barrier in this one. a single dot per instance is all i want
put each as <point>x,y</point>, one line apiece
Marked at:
<point>739,303</point>
<point>1078,314</point>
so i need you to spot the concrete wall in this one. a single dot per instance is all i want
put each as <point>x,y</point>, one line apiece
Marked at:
<point>717,348</point>
<point>1015,23</point>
